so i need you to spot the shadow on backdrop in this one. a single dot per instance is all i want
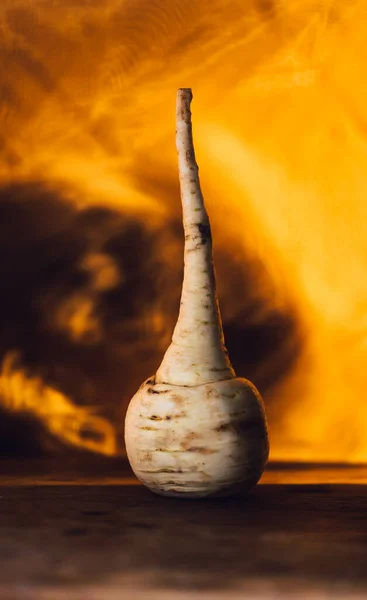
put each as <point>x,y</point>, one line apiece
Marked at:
<point>89,300</point>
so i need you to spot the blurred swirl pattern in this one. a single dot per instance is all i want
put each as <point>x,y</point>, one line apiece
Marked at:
<point>90,214</point>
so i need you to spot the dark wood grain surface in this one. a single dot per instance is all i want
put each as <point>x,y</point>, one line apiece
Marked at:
<point>84,529</point>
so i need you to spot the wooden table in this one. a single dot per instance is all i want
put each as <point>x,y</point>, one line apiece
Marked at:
<point>83,529</point>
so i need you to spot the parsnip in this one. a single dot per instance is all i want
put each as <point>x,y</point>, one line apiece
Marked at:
<point>195,429</point>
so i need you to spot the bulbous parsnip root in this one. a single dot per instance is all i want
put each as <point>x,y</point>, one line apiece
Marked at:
<point>195,429</point>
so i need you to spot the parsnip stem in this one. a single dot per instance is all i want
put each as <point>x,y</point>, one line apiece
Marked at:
<point>197,354</point>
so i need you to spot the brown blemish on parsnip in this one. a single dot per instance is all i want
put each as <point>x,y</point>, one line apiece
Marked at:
<point>189,438</point>
<point>165,470</point>
<point>177,399</point>
<point>153,390</point>
<point>176,416</point>
<point>201,450</point>
<point>149,428</point>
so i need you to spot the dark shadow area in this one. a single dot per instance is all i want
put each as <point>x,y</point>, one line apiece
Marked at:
<point>89,299</point>
<point>21,435</point>
<point>263,340</point>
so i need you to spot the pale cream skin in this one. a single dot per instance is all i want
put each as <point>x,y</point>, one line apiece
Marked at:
<point>195,429</point>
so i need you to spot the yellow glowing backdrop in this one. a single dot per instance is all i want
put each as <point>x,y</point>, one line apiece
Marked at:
<point>280,125</point>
